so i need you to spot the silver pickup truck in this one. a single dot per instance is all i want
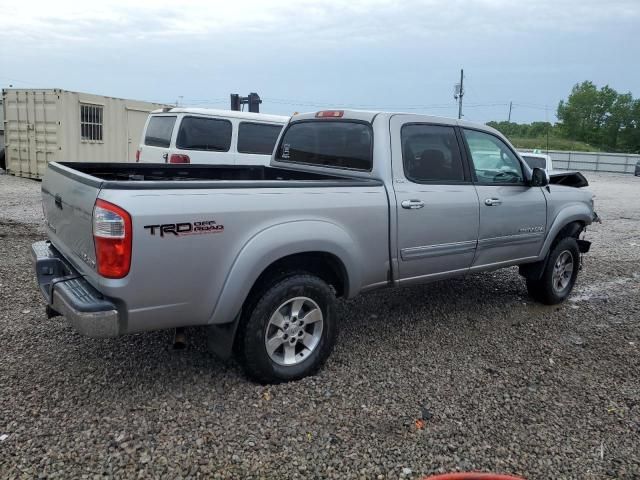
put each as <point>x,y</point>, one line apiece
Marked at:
<point>353,201</point>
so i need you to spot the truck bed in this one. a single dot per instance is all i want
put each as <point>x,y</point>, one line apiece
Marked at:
<point>161,176</point>
<point>260,214</point>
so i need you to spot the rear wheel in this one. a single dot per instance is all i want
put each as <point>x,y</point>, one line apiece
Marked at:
<point>290,331</point>
<point>559,275</point>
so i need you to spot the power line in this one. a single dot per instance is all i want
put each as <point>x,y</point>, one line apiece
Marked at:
<point>19,81</point>
<point>531,105</point>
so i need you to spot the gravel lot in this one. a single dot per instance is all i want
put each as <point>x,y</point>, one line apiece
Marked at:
<point>504,384</point>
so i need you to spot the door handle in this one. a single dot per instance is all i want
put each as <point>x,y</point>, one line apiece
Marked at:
<point>412,204</point>
<point>492,202</point>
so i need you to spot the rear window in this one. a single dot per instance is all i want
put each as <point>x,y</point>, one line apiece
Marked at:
<point>327,143</point>
<point>210,134</point>
<point>257,138</point>
<point>159,131</point>
<point>535,162</point>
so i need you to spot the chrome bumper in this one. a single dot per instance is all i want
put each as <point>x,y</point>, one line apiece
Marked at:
<point>67,293</point>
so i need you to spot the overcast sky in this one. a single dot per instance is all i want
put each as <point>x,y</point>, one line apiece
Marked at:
<point>307,54</point>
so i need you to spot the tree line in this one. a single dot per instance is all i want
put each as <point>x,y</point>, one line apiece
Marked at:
<point>600,117</point>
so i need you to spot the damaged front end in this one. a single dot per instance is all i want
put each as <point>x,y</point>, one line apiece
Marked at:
<point>568,179</point>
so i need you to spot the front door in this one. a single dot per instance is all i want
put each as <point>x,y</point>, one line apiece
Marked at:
<point>437,204</point>
<point>513,215</point>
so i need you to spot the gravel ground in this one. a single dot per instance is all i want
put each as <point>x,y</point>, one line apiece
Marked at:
<point>503,384</point>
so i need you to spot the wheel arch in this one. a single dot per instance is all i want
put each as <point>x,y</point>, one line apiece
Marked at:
<point>569,222</point>
<point>317,247</point>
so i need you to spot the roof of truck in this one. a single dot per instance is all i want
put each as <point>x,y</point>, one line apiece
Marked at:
<point>225,113</point>
<point>369,115</point>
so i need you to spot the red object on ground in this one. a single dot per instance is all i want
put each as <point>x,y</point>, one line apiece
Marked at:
<point>472,476</point>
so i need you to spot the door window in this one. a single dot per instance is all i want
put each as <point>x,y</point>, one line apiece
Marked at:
<point>430,154</point>
<point>493,160</point>
<point>159,131</point>
<point>209,134</point>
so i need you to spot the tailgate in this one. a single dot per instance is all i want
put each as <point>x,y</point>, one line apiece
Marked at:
<point>68,198</point>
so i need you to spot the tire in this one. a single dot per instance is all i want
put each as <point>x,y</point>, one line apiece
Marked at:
<point>3,163</point>
<point>296,350</point>
<point>556,282</point>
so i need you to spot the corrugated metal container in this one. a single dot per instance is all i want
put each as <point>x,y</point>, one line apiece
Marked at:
<point>42,126</point>
<point>1,126</point>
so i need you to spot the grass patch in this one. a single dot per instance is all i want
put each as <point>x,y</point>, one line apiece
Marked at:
<point>555,143</point>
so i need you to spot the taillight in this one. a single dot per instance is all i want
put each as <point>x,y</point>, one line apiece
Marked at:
<point>176,158</point>
<point>138,155</point>
<point>112,237</point>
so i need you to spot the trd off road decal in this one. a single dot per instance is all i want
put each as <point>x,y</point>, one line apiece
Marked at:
<point>185,228</point>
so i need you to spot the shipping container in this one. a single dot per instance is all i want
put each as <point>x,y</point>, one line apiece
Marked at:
<point>45,125</point>
<point>2,163</point>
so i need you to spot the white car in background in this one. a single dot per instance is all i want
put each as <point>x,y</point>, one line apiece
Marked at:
<point>537,160</point>
<point>208,136</point>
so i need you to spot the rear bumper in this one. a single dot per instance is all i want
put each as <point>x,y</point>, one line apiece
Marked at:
<point>68,293</point>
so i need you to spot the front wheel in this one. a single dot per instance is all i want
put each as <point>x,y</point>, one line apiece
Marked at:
<point>559,275</point>
<point>291,330</point>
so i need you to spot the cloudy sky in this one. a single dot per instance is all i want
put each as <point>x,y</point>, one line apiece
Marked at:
<point>306,54</point>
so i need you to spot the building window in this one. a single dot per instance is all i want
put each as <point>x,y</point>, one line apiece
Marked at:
<point>91,122</point>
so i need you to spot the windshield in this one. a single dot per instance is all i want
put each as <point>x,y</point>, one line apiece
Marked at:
<point>328,143</point>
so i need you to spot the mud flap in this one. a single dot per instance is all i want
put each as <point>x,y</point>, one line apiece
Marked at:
<point>220,338</point>
<point>584,246</point>
<point>532,271</point>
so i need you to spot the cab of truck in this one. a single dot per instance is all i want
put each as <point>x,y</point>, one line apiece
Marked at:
<point>208,136</point>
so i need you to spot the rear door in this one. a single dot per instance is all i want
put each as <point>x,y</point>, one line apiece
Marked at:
<point>437,204</point>
<point>256,142</point>
<point>157,138</point>
<point>513,215</point>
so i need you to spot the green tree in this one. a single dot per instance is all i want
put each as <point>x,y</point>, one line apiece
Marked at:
<point>578,115</point>
<point>590,117</point>
<point>601,117</point>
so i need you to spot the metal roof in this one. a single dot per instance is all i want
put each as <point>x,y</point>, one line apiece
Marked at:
<point>226,113</point>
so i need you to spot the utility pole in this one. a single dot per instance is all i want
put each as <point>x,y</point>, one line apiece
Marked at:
<point>510,105</point>
<point>546,119</point>
<point>458,93</point>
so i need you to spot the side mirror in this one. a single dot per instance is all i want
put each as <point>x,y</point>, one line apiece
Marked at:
<point>539,178</point>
